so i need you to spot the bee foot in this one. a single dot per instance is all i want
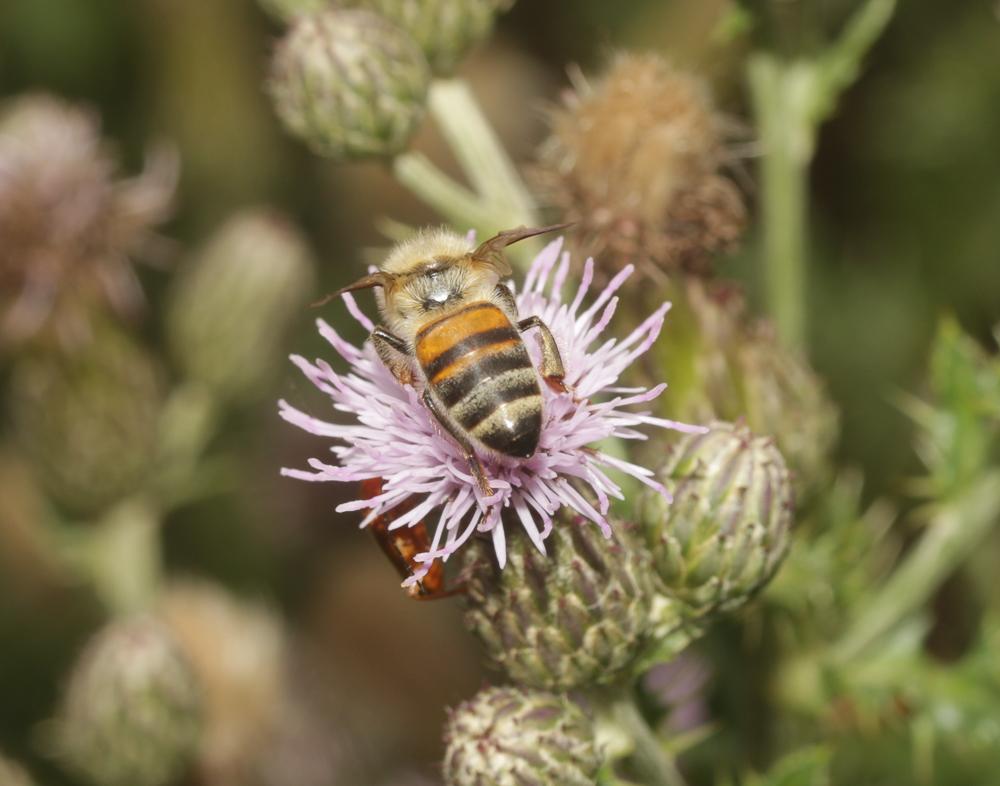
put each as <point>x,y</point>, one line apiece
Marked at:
<point>557,384</point>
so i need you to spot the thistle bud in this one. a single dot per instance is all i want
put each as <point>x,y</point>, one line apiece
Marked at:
<point>88,419</point>
<point>13,774</point>
<point>237,651</point>
<point>444,29</point>
<point>231,307</point>
<point>734,368</point>
<point>349,83</point>
<point>580,615</point>
<point>784,397</point>
<point>510,737</point>
<point>638,161</point>
<point>69,223</point>
<point>727,529</point>
<point>130,714</point>
<point>287,10</point>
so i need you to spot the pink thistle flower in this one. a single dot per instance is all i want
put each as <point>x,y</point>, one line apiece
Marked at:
<point>395,437</point>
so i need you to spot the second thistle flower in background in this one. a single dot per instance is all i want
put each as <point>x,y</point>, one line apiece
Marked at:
<point>638,160</point>
<point>69,226</point>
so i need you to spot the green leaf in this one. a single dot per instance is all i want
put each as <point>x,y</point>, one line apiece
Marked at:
<point>804,767</point>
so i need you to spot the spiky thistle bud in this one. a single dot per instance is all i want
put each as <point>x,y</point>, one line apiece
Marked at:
<point>231,306</point>
<point>444,29</point>
<point>349,83</point>
<point>130,714</point>
<point>511,737</point>
<point>69,225</point>
<point>734,368</point>
<point>727,529</point>
<point>637,161</point>
<point>13,774</point>
<point>88,418</point>
<point>580,615</point>
<point>237,651</point>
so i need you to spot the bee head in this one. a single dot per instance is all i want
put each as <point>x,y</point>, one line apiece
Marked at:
<point>436,271</point>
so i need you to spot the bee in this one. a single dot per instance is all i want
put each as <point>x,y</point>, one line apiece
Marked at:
<point>402,545</point>
<point>451,325</point>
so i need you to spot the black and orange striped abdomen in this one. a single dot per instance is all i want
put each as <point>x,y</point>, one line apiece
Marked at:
<point>478,368</point>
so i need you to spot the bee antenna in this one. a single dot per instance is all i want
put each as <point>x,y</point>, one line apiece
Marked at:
<point>492,250</point>
<point>377,279</point>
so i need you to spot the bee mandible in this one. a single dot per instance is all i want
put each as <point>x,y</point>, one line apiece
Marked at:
<point>451,324</point>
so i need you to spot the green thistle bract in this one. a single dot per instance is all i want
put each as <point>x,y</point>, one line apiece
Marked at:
<point>514,737</point>
<point>444,29</point>
<point>349,83</point>
<point>232,305</point>
<point>131,712</point>
<point>577,616</point>
<point>727,529</point>
<point>88,419</point>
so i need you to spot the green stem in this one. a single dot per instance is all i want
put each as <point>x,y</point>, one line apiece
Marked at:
<point>119,555</point>
<point>498,199</point>
<point>651,761</point>
<point>478,150</point>
<point>955,532</point>
<point>187,424</point>
<point>791,99</point>
<point>787,140</point>
<point>453,201</point>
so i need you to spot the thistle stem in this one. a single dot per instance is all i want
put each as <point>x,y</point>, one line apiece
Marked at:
<point>478,150</point>
<point>791,99</point>
<point>787,141</point>
<point>456,203</point>
<point>119,555</point>
<point>956,530</point>
<point>498,198</point>
<point>653,764</point>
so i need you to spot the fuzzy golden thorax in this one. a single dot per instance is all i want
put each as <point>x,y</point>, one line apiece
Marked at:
<point>434,288</point>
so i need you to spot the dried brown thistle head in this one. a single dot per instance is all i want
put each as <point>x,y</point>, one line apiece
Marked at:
<point>68,226</point>
<point>638,160</point>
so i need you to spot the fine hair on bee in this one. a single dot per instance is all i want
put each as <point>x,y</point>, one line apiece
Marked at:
<point>450,326</point>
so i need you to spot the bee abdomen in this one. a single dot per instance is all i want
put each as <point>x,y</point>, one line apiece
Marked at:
<point>478,367</point>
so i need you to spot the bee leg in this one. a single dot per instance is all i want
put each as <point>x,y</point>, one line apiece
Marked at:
<point>392,351</point>
<point>463,442</point>
<point>552,365</point>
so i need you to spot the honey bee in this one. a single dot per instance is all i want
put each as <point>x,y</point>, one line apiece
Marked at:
<point>451,324</point>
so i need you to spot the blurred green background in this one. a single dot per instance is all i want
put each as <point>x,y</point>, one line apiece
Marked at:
<point>905,222</point>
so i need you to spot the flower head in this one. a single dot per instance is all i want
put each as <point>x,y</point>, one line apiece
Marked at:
<point>70,225</point>
<point>395,437</point>
<point>511,736</point>
<point>638,160</point>
<point>131,712</point>
<point>349,83</point>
